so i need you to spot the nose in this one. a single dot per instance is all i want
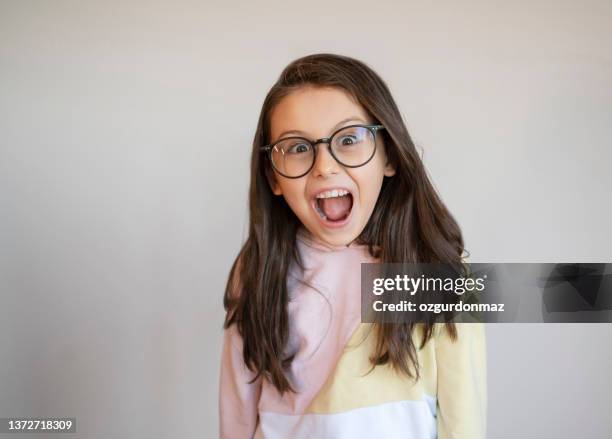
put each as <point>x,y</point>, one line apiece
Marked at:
<point>325,165</point>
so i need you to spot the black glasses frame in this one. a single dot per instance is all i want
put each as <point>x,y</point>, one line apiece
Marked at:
<point>373,128</point>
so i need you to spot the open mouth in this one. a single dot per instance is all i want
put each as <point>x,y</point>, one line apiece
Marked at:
<point>334,206</point>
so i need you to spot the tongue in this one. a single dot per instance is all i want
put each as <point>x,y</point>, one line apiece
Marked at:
<point>336,208</point>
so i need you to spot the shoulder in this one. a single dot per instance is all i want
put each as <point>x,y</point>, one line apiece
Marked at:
<point>464,335</point>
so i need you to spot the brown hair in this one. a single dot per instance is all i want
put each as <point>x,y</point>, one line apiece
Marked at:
<point>409,224</point>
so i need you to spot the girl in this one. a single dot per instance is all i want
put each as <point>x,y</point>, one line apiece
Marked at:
<point>336,182</point>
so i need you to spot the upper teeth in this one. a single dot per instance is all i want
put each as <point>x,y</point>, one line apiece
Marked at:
<point>333,193</point>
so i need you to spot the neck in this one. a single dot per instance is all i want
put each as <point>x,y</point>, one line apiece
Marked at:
<point>308,238</point>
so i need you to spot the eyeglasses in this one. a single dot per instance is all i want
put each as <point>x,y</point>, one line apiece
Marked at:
<point>351,146</point>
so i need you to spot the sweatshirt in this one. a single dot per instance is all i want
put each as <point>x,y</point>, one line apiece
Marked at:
<point>338,393</point>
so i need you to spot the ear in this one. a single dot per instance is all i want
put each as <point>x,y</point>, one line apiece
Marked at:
<point>273,182</point>
<point>389,169</point>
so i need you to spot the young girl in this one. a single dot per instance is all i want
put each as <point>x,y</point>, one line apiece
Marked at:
<point>336,182</point>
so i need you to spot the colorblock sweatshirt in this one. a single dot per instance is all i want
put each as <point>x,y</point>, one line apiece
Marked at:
<point>338,394</point>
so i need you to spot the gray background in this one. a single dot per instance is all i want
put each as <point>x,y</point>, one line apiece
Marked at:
<point>125,130</point>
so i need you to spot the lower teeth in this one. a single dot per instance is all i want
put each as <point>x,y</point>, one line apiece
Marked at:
<point>324,217</point>
<point>320,212</point>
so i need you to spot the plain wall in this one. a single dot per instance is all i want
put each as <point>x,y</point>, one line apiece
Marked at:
<point>125,134</point>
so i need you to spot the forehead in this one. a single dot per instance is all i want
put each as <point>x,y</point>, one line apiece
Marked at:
<point>314,111</point>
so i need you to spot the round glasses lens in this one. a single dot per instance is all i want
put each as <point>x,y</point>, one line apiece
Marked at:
<point>354,146</point>
<point>292,156</point>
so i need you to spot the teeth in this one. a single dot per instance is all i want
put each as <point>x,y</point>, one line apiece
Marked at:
<point>333,193</point>
<point>320,212</point>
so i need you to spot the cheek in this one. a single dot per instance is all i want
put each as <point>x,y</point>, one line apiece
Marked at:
<point>293,191</point>
<point>369,179</point>
<point>369,182</point>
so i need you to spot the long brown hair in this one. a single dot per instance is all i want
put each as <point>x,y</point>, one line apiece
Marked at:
<point>409,224</point>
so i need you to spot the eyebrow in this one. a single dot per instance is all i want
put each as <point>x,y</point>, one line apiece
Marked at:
<point>334,128</point>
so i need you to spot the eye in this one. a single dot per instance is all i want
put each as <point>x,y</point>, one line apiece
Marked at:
<point>351,137</point>
<point>347,140</point>
<point>298,148</point>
